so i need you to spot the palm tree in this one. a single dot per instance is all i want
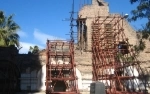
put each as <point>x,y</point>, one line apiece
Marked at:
<point>8,31</point>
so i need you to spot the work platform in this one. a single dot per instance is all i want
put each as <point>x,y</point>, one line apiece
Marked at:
<point>60,68</point>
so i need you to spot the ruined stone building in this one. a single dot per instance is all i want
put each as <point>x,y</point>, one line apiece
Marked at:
<point>83,56</point>
<point>33,68</point>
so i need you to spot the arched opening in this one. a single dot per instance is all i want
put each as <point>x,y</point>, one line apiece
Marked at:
<point>42,75</point>
<point>59,86</point>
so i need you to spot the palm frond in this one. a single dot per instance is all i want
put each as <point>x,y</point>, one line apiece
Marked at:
<point>8,30</point>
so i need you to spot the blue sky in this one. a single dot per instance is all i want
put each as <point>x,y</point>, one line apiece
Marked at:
<point>42,19</point>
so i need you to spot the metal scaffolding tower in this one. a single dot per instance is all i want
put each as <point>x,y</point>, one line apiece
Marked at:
<point>60,66</point>
<point>113,59</point>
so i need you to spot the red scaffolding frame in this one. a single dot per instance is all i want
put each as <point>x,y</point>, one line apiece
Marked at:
<point>113,59</point>
<point>60,68</point>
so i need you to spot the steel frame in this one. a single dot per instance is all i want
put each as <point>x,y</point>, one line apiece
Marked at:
<point>113,58</point>
<point>60,73</point>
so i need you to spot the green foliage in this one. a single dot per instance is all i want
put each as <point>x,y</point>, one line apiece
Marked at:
<point>142,11</point>
<point>8,31</point>
<point>140,47</point>
<point>145,33</point>
<point>34,50</point>
<point>121,57</point>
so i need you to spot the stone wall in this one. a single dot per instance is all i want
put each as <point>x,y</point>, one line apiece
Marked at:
<point>29,62</point>
<point>144,56</point>
<point>84,59</point>
<point>84,65</point>
<point>89,12</point>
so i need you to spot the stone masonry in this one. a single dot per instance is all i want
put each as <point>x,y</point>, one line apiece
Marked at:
<point>88,12</point>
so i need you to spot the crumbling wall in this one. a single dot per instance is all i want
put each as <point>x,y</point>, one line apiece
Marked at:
<point>84,58</point>
<point>84,65</point>
<point>89,12</point>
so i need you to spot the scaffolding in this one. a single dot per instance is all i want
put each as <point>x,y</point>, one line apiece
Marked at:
<point>113,59</point>
<point>60,68</point>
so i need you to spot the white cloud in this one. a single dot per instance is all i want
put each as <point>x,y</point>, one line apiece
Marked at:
<point>25,47</point>
<point>42,37</point>
<point>38,36</point>
<point>22,34</point>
